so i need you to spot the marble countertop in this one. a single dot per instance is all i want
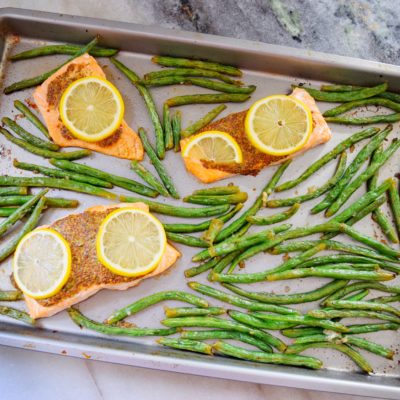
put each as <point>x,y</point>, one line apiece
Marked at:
<point>368,29</point>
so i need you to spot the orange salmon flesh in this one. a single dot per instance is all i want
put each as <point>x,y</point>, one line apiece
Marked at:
<point>123,143</point>
<point>88,275</point>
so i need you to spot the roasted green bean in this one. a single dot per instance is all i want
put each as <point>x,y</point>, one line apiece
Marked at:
<point>187,344</point>
<point>207,99</point>
<point>148,177</point>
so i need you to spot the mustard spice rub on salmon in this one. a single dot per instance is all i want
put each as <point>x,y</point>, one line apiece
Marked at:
<point>253,159</point>
<point>88,275</point>
<point>124,143</point>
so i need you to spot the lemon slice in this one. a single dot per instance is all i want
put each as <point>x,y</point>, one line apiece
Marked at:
<point>278,125</point>
<point>42,263</point>
<point>91,109</point>
<point>130,242</point>
<point>213,146</point>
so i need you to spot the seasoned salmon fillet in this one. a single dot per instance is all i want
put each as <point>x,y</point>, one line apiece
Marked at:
<point>253,159</point>
<point>88,275</point>
<point>124,143</point>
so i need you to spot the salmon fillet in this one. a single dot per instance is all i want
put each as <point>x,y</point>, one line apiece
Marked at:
<point>253,160</point>
<point>124,143</point>
<point>88,275</point>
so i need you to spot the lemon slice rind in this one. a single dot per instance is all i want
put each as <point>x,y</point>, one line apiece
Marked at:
<point>223,137</point>
<point>103,236</point>
<point>101,113</point>
<point>32,268</point>
<point>304,117</point>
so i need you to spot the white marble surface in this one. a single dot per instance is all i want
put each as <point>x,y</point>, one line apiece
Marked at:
<point>30,375</point>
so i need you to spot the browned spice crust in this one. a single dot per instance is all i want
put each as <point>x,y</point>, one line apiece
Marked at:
<point>253,160</point>
<point>80,231</point>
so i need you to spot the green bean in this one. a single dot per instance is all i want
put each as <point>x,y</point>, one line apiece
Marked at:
<point>201,82</point>
<point>207,200</point>
<point>203,121</point>
<point>13,190</point>
<point>194,271</point>
<point>378,216</point>
<point>155,298</point>
<point>241,221</point>
<point>16,314</point>
<point>340,88</point>
<point>375,119</point>
<point>213,230</point>
<point>187,240</point>
<point>369,241</point>
<point>30,224</point>
<point>217,334</point>
<point>273,219</point>
<point>11,295</point>
<point>187,344</point>
<point>368,328</point>
<point>354,287</point>
<point>168,134</point>
<point>366,211</point>
<point>395,202</point>
<point>68,155</point>
<point>237,244</point>
<point>56,183</point>
<point>369,346</point>
<point>263,275</point>
<point>314,193</point>
<point>363,201</point>
<point>363,177</point>
<point>333,272</point>
<point>303,320</point>
<point>358,296</point>
<point>352,267</point>
<point>176,130</point>
<point>252,321</point>
<point>207,99</point>
<point>32,118</point>
<point>295,298</point>
<point>20,212</point>
<point>50,201</point>
<point>37,80</point>
<point>217,191</point>
<point>363,305</point>
<point>192,311</point>
<point>69,49</point>
<point>219,323</point>
<point>350,352</point>
<point>391,96</point>
<point>342,146</point>
<point>387,299</point>
<point>189,72</point>
<point>300,332</point>
<point>375,101</point>
<point>185,212</point>
<point>6,211</point>
<point>238,301</point>
<point>116,180</point>
<point>270,358</point>
<point>115,330</point>
<point>190,228</point>
<point>333,259</point>
<point>352,340</point>
<point>330,245</point>
<point>162,172</point>
<point>151,107</point>
<point>339,97</point>
<point>352,169</point>
<point>148,177</point>
<point>28,137</point>
<point>188,63</point>
<point>56,173</point>
<point>330,313</point>
<point>222,264</point>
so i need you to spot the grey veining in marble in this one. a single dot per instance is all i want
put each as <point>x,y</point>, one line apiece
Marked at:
<point>368,29</point>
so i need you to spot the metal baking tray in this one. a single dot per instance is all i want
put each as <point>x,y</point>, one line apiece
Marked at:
<point>272,69</point>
